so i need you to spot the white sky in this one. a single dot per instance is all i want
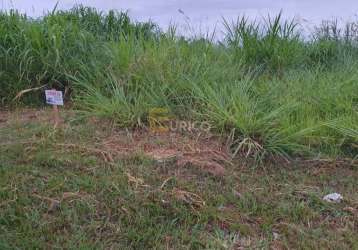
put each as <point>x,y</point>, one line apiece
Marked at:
<point>203,14</point>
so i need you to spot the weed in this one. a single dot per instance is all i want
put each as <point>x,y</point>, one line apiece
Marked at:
<point>276,92</point>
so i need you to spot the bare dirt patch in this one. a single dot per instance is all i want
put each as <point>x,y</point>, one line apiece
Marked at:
<point>25,116</point>
<point>203,152</point>
<point>206,153</point>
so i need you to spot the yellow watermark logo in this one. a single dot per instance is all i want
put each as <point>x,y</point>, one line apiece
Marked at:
<point>161,121</point>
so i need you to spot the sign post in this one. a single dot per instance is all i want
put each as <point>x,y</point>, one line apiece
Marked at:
<point>54,98</point>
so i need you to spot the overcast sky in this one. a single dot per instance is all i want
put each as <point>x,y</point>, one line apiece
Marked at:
<point>203,14</point>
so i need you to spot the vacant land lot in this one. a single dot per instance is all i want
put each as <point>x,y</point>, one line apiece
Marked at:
<point>277,93</point>
<point>282,108</point>
<point>93,187</point>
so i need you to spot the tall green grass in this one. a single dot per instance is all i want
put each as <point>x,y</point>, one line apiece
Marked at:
<point>35,52</point>
<point>270,89</point>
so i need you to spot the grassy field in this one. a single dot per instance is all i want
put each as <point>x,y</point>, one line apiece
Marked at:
<point>277,93</point>
<point>91,187</point>
<point>283,114</point>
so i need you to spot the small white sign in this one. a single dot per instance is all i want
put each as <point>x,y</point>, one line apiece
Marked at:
<point>54,97</point>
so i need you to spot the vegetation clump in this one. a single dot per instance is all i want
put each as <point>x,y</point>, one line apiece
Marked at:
<point>273,90</point>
